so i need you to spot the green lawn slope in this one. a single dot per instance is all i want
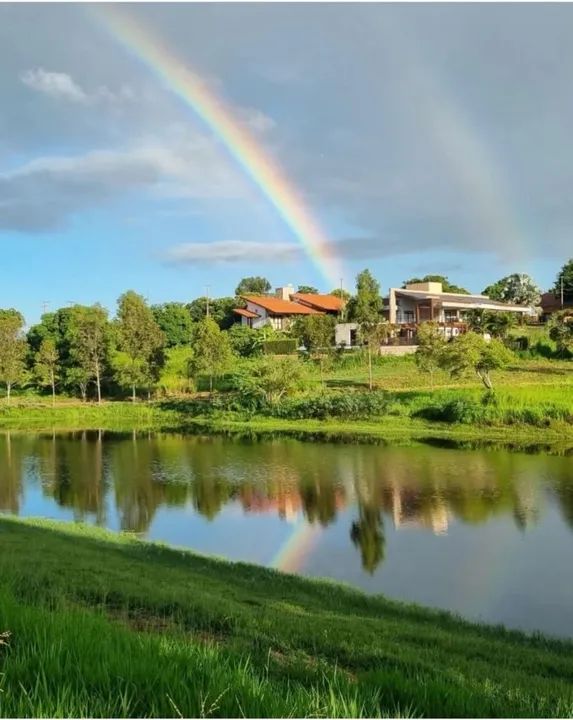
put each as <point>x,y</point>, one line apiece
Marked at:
<point>98,624</point>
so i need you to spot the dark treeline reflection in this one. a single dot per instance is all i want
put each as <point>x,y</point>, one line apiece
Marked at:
<point>99,476</point>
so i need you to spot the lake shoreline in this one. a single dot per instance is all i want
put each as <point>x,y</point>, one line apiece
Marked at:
<point>83,596</point>
<point>119,416</point>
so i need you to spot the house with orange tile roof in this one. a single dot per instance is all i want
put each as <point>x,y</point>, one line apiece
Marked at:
<point>280,309</point>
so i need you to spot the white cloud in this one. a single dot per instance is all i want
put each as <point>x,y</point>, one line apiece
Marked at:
<point>59,85</point>
<point>42,194</point>
<point>232,251</point>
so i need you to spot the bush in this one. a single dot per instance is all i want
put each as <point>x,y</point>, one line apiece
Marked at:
<point>353,406</point>
<point>459,410</point>
<point>284,346</point>
<point>243,340</point>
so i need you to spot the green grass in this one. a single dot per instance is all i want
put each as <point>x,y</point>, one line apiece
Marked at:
<point>533,403</point>
<point>106,625</point>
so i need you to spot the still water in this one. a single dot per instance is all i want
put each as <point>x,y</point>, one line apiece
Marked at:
<point>486,533</point>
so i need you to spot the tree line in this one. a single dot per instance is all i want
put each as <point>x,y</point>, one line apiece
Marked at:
<point>81,351</point>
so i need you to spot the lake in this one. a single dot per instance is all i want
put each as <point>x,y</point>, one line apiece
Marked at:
<point>486,533</point>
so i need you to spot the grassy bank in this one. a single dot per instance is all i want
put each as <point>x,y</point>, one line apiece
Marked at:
<point>105,625</point>
<point>532,404</point>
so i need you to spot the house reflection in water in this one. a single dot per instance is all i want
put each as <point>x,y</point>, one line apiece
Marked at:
<point>407,513</point>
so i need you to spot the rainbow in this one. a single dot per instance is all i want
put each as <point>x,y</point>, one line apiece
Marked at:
<point>291,555</point>
<point>218,116</point>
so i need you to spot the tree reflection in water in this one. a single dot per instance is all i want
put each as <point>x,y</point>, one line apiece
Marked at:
<point>96,473</point>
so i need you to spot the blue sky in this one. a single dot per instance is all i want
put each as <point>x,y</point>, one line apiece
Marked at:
<point>423,138</point>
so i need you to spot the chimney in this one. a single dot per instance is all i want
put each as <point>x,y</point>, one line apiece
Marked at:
<point>284,293</point>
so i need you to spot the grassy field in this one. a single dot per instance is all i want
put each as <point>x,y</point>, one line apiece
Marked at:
<point>98,624</point>
<point>532,404</point>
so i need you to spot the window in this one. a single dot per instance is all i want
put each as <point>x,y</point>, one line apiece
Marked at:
<point>409,316</point>
<point>450,316</point>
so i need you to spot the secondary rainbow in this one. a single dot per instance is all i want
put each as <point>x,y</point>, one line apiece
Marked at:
<point>292,554</point>
<point>213,110</point>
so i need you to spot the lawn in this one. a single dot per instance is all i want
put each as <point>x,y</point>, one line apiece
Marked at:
<point>107,625</point>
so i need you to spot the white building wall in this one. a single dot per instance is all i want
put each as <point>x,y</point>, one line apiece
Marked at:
<point>405,306</point>
<point>342,334</point>
<point>256,322</point>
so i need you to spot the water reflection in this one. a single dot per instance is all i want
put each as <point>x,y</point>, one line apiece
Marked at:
<point>124,481</point>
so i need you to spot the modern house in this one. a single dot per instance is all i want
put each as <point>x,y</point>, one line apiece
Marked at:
<point>280,309</point>
<point>427,302</point>
<point>406,308</point>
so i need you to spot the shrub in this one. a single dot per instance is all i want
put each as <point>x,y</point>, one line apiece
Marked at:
<point>284,346</point>
<point>353,406</point>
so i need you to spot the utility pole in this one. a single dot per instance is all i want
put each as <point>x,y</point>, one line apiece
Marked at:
<point>561,291</point>
<point>45,306</point>
<point>207,288</point>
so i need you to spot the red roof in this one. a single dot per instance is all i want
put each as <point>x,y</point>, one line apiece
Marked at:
<point>276,306</point>
<point>320,302</point>
<point>245,313</point>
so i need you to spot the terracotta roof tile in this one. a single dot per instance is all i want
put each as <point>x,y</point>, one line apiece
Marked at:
<point>320,302</point>
<point>276,306</point>
<point>245,313</point>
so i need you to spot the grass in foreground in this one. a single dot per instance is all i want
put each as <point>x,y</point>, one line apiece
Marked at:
<point>105,625</point>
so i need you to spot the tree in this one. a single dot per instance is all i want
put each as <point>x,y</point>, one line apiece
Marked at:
<point>174,320</point>
<point>211,350</point>
<point>447,286</point>
<point>565,275</point>
<point>309,289</point>
<point>88,336</point>
<point>317,335</point>
<point>13,349</point>
<point>496,324</point>
<point>431,343</point>
<point>472,352</point>
<point>341,293</point>
<point>365,308</point>
<point>220,309</point>
<point>367,533</point>
<point>366,305</point>
<point>141,339</point>
<point>46,365</point>
<point>372,335</point>
<point>519,289</point>
<point>268,380</point>
<point>561,331</point>
<point>253,286</point>
<point>244,340</point>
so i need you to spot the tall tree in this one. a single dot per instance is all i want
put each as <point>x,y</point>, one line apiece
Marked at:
<point>253,285</point>
<point>89,341</point>
<point>174,320</point>
<point>211,350</point>
<point>141,339</point>
<point>219,309</point>
<point>431,343</point>
<point>317,335</point>
<point>518,288</point>
<point>447,286</point>
<point>365,308</point>
<point>13,349</point>
<point>565,279</point>
<point>366,305</point>
<point>46,365</point>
